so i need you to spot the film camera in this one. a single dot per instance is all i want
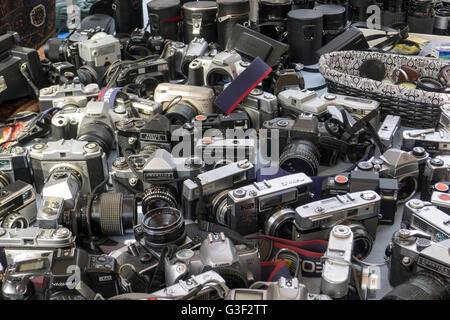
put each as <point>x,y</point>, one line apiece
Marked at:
<point>210,189</point>
<point>396,164</point>
<point>223,68</point>
<point>181,103</point>
<point>424,216</point>
<point>137,135</point>
<point>418,267</point>
<point>82,162</point>
<point>260,106</point>
<point>159,175</point>
<point>355,181</point>
<point>433,141</point>
<point>359,211</point>
<point>97,274</point>
<point>94,123</point>
<point>180,55</point>
<point>142,75</point>
<point>283,289</point>
<point>300,138</point>
<point>440,198</point>
<point>21,72</point>
<point>237,264</point>
<point>75,94</point>
<point>259,205</point>
<point>14,166</point>
<point>17,205</point>
<point>436,170</point>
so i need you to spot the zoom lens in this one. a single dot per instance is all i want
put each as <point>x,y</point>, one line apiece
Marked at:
<point>300,156</point>
<point>421,16</point>
<point>423,286</point>
<point>158,197</point>
<point>111,214</point>
<point>162,227</point>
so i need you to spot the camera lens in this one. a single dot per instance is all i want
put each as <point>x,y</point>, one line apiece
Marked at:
<point>4,179</point>
<point>14,220</point>
<point>181,114</point>
<point>423,286</point>
<point>97,131</point>
<point>408,187</point>
<point>280,224</point>
<point>421,16</point>
<point>300,156</point>
<point>429,84</point>
<point>362,240</point>
<point>55,49</point>
<point>394,11</point>
<point>163,226</point>
<point>67,295</point>
<point>111,214</point>
<point>220,208</point>
<point>158,197</point>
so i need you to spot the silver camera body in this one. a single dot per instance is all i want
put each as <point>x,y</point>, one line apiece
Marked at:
<point>437,169</point>
<point>389,129</point>
<point>424,216</point>
<point>215,185</point>
<point>444,120</point>
<point>14,165</point>
<point>67,94</point>
<point>100,51</point>
<point>33,242</point>
<point>336,268</point>
<point>216,251</point>
<point>200,99</point>
<point>85,161</point>
<point>249,207</point>
<point>358,107</point>
<point>218,152</point>
<point>396,164</point>
<point>183,287</point>
<point>260,106</point>
<point>17,202</point>
<point>431,140</point>
<point>441,200</point>
<point>225,63</point>
<point>301,101</point>
<point>161,165</point>
<point>283,289</point>
<point>411,252</point>
<point>359,210</point>
<point>180,55</point>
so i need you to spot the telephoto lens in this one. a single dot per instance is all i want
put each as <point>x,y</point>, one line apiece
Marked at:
<point>200,21</point>
<point>109,214</point>
<point>421,16</point>
<point>358,9</point>
<point>394,11</point>
<point>162,227</point>
<point>230,12</point>
<point>334,21</point>
<point>165,17</point>
<point>272,17</point>
<point>441,22</point>
<point>305,35</point>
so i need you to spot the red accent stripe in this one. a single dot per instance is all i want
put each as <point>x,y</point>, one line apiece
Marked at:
<point>102,93</point>
<point>280,265</point>
<point>173,19</point>
<point>248,91</point>
<point>301,251</point>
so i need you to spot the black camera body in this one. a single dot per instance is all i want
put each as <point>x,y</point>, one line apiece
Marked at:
<point>15,62</point>
<point>359,181</point>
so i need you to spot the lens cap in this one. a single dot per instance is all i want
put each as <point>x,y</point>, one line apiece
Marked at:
<point>373,69</point>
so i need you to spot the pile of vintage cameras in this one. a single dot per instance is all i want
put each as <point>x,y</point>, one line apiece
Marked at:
<point>131,183</point>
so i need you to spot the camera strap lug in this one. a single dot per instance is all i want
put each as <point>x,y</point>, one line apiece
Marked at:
<point>196,24</point>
